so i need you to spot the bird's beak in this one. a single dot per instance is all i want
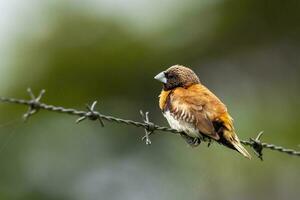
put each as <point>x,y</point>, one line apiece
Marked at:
<point>161,77</point>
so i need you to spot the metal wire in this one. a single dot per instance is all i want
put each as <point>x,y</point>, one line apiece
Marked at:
<point>35,105</point>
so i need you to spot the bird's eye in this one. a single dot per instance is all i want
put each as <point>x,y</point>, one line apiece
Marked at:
<point>170,76</point>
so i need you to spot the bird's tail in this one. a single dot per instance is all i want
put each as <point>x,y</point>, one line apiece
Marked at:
<point>231,140</point>
<point>241,149</point>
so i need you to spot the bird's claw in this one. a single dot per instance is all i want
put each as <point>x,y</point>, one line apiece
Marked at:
<point>194,142</point>
<point>209,143</point>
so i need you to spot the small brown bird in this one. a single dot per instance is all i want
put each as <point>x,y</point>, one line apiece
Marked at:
<point>192,108</point>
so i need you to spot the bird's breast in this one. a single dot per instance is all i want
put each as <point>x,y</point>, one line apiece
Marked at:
<point>163,99</point>
<point>181,125</point>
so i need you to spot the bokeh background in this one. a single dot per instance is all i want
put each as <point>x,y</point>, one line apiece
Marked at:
<point>247,52</point>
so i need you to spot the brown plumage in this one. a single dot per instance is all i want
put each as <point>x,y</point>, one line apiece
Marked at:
<point>190,107</point>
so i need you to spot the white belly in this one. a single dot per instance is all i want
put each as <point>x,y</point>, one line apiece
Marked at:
<point>181,125</point>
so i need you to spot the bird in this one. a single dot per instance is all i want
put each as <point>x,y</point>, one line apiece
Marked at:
<point>196,112</point>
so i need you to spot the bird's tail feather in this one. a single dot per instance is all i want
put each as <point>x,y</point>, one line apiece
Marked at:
<point>232,141</point>
<point>239,147</point>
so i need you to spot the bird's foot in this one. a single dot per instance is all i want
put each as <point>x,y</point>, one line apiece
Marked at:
<point>194,142</point>
<point>209,143</point>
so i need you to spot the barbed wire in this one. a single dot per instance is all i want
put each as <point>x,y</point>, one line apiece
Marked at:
<point>35,104</point>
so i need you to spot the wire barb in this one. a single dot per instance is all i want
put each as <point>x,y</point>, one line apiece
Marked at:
<point>35,105</point>
<point>149,129</point>
<point>257,145</point>
<point>91,114</point>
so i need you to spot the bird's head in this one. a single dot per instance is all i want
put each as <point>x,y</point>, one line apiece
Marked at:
<point>177,76</point>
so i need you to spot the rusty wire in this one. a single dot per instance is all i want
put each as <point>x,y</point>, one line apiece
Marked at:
<point>34,105</point>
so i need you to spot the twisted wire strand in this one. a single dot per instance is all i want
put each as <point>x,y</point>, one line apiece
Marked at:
<point>35,105</point>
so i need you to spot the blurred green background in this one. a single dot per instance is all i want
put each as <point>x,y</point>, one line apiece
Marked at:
<point>247,52</point>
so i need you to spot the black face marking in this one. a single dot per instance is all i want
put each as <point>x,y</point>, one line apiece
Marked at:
<point>173,80</point>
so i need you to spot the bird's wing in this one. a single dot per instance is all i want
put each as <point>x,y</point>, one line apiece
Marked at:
<point>190,106</point>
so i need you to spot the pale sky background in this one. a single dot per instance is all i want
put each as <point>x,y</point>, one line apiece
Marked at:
<point>23,17</point>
